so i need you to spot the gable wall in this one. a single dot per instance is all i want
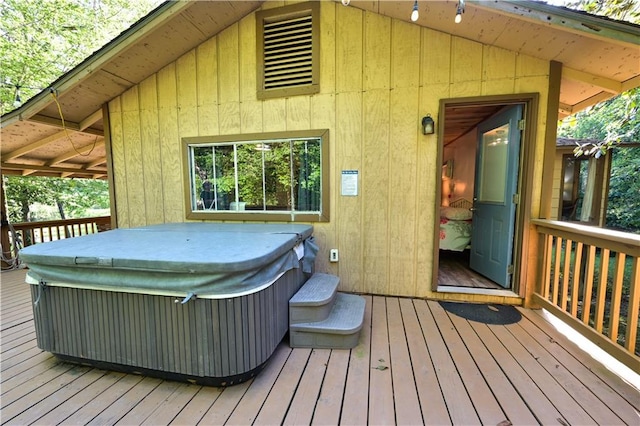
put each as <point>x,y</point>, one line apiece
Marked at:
<point>378,78</point>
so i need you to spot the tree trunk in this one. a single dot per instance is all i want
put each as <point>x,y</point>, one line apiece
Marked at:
<point>60,205</point>
<point>26,235</point>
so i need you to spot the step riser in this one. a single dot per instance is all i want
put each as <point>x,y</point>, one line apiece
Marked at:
<point>303,314</point>
<point>303,339</point>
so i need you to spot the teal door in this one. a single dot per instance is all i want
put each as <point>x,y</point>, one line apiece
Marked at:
<point>494,201</point>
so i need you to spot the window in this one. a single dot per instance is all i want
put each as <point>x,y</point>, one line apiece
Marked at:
<point>288,50</point>
<point>280,177</point>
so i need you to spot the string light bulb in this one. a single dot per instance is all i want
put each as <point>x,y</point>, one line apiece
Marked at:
<point>346,2</point>
<point>415,14</point>
<point>459,12</point>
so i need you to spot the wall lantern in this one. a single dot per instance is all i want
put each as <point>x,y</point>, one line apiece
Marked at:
<point>428,126</point>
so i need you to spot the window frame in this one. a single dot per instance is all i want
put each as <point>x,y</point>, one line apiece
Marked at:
<point>282,14</point>
<point>261,215</point>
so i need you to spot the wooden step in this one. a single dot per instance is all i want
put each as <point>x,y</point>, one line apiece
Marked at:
<point>314,300</point>
<point>340,330</point>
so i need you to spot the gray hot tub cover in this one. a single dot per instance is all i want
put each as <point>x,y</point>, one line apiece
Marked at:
<point>209,260</point>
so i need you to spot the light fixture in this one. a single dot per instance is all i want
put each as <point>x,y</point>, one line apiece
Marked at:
<point>459,12</point>
<point>428,125</point>
<point>415,14</point>
<point>346,2</point>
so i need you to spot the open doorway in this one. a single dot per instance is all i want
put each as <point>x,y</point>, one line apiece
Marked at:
<point>482,154</point>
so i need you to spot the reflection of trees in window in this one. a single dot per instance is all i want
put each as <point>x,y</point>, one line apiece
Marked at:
<point>278,175</point>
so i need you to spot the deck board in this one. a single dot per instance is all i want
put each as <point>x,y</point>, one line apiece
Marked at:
<point>355,405</point>
<point>406,404</point>
<point>433,406</point>
<point>459,405</point>
<point>301,411</point>
<point>381,409</point>
<point>515,408</point>
<point>416,363</point>
<point>487,408</point>
<point>571,411</point>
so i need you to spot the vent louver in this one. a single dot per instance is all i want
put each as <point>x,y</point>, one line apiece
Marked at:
<point>288,50</point>
<point>288,53</point>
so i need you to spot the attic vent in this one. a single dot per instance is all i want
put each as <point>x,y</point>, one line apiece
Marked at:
<point>288,51</point>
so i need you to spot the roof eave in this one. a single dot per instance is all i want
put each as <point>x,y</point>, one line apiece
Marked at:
<point>570,20</point>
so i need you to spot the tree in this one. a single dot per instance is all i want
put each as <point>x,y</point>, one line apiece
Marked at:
<point>42,39</point>
<point>72,197</point>
<point>621,10</point>
<point>39,41</point>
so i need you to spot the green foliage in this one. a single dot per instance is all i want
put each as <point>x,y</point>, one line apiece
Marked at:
<point>73,197</point>
<point>606,124</point>
<point>42,39</point>
<point>622,10</point>
<point>623,209</point>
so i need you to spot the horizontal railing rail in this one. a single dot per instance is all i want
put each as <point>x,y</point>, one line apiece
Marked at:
<point>590,278</point>
<point>30,233</point>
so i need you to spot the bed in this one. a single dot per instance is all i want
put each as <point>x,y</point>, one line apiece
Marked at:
<point>201,302</point>
<point>455,225</point>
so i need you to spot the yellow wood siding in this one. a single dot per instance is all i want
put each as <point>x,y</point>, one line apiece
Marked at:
<point>379,76</point>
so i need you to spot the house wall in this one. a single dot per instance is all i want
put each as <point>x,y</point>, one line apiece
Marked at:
<point>379,76</point>
<point>463,153</point>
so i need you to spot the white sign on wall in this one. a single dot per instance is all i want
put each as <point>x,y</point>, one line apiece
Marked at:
<point>350,183</point>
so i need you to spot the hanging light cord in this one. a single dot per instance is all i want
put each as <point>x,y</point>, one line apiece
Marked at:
<point>64,127</point>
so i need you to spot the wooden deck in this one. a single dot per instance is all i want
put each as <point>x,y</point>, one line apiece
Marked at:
<point>416,363</point>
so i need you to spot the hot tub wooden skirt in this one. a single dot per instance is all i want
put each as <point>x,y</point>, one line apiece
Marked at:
<point>215,342</point>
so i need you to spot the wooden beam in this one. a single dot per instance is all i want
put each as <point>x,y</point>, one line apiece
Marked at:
<point>23,167</point>
<point>97,162</point>
<point>565,109</point>
<point>606,84</point>
<point>551,133</point>
<point>602,96</point>
<point>69,125</point>
<point>75,152</point>
<point>88,121</point>
<point>632,83</point>
<point>33,146</point>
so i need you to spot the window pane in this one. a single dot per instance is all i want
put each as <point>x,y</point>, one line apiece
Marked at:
<point>493,166</point>
<point>250,177</point>
<point>278,176</point>
<point>224,183</point>
<point>307,174</point>
<point>201,173</point>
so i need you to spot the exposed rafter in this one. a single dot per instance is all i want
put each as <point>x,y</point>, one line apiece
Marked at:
<point>67,124</point>
<point>606,84</point>
<point>71,170</point>
<point>75,152</point>
<point>33,146</point>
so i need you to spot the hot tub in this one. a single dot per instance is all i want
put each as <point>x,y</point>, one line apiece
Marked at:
<point>202,302</point>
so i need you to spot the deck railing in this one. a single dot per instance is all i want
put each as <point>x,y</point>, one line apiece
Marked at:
<point>590,278</point>
<point>29,233</point>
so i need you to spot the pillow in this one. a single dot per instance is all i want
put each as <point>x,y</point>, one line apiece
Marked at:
<point>455,213</point>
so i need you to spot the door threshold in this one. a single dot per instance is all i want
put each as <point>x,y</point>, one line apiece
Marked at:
<point>476,290</point>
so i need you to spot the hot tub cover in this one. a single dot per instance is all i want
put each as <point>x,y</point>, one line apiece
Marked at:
<point>207,260</point>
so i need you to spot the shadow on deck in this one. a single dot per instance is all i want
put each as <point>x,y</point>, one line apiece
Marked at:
<point>416,363</point>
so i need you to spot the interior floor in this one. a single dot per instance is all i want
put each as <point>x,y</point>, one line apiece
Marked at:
<point>454,271</point>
